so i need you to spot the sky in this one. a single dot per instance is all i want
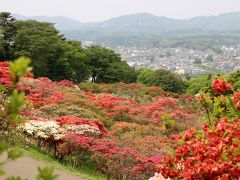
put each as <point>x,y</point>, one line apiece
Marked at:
<point>99,10</point>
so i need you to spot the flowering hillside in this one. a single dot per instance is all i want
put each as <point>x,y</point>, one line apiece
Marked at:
<point>124,128</point>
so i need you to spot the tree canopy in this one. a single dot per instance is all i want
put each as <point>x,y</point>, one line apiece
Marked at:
<point>165,79</point>
<point>57,58</point>
<point>200,83</point>
<point>107,66</point>
<point>7,32</point>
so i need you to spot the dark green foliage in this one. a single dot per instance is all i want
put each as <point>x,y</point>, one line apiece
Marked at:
<point>42,43</point>
<point>168,81</point>
<point>107,67</point>
<point>201,83</point>
<point>145,76</point>
<point>76,61</point>
<point>165,79</point>
<point>197,61</point>
<point>234,79</point>
<point>7,33</point>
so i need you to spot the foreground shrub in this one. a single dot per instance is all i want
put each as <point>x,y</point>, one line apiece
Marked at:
<point>211,153</point>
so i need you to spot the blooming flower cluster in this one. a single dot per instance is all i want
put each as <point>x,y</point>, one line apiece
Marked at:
<point>83,129</point>
<point>121,108</point>
<point>90,126</point>
<point>43,92</point>
<point>212,154</point>
<point>66,83</point>
<point>221,86</point>
<point>5,77</point>
<point>42,129</point>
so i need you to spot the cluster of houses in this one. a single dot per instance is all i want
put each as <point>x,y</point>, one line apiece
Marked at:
<point>183,60</point>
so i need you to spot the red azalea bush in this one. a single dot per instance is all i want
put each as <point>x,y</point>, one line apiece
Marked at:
<point>80,142</point>
<point>76,146</point>
<point>155,110</point>
<point>44,92</point>
<point>220,86</point>
<point>138,92</point>
<point>72,120</point>
<point>5,77</point>
<point>124,109</point>
<point>66,83</point>
<point>146,139</point>
<point>212,153</point>
<point>122,163</point>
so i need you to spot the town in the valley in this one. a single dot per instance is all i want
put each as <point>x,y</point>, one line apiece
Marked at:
<point>183,60</point>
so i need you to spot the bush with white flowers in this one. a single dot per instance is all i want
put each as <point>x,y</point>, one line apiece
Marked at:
<point>42,129</point>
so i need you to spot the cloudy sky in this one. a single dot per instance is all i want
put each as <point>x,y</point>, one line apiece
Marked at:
<point>98,10</point>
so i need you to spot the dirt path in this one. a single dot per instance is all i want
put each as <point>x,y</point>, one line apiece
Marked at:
<point>26,167</point>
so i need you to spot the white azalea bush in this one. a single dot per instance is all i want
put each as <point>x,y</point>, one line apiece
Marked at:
<point>83,129</point>
<point>42,129</point>
<point>65,137</point>
<point>46,129</point>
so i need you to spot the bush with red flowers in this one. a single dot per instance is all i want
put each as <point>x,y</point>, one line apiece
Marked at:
<point>43,92</point>
<point>66,83</point>
<point>5,77</point>
<point>211,153</point>
<point>221,86</point>
<point>122,163</point>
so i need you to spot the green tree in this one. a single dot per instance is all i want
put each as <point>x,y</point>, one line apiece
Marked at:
<point>165,79</point>
<point>145,76</point>
<point>77,61</point>
<point>200,83</point>
<point>42,43</point>
<point>210,57</point>
<point>119,72</point>
<point>106,66</point>
<point>53,56</point>
<point>197,60</point>
<point>168,81</point>
<point>7,33</point>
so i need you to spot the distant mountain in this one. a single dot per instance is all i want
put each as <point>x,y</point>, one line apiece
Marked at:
<point>223,22</point>
<point>138,28</point>
<point>145,22</point>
